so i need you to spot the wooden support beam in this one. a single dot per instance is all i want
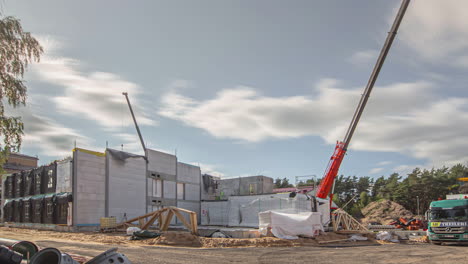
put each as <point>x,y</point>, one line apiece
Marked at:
<point>168,220</point>
<point>182,218</point>
<point>151,220</point>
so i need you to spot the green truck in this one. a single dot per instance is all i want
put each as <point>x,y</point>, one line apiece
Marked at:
<point>448,219</point>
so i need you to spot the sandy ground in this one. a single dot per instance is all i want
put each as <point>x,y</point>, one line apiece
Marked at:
<point>90,245</point>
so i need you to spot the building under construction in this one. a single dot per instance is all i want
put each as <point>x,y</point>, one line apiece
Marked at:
<point>77,192</point>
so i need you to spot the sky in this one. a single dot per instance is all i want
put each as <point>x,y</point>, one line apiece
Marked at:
<point>249,87</point>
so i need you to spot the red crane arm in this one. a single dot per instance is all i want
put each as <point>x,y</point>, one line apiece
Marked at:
<point>341,146</point>
<point>326,184</point>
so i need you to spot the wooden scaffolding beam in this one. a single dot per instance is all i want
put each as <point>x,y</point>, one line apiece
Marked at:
<point>343,222</point>
<point>164,217</point>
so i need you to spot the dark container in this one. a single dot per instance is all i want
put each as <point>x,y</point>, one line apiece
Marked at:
<point>28,177</point>
<point>17,211</point>
<point>27,211</point>
<point>50,178</point>
<point>37,181</point>
<point>48,214</point>
<point>19,186</point>
<point>62,208</point>
<point>37,206</point>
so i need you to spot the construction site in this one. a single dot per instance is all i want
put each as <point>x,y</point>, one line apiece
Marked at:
<point>100,206</point>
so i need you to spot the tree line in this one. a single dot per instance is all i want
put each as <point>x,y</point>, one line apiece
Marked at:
<point>352,193</point>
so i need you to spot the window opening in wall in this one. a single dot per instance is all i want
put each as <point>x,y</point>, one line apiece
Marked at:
<point>157,188</point>
<point>180,191</point>
<point>50,183</point>
<point>252,188</point>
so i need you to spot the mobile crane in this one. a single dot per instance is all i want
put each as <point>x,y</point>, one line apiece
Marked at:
<point>325,187</point>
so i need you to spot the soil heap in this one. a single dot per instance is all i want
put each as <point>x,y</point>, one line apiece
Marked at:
<point>384,212</point>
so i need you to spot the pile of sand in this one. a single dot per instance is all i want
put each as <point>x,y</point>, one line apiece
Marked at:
<point>384,212</point>
<point>184,239</point>
<point>248,242</point>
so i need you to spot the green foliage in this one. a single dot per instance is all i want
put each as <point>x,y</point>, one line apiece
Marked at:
<point>282,183</point>
<point>425,185</point>
<point>17,50</point>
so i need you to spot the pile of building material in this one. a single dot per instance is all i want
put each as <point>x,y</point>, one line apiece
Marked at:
<point>384,212</point>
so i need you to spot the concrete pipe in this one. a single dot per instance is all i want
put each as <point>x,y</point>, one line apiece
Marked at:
<point>8,256</point>
<point>52,256</point>
<point>25,248</point>
<point>109,256</point>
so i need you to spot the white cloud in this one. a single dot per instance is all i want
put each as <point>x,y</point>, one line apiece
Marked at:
<point>383,163</point>
<point>50,137</point>
<point>437,30</point>
<point>375,170</point>
<point>364,57</point>
<point>209,169</point>
<point>95,96</point>
<point>408,118</point>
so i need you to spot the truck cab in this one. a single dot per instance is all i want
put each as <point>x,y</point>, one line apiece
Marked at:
<point>448,219</point>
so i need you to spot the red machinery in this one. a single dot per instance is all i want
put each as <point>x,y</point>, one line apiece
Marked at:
<point>325,187</point>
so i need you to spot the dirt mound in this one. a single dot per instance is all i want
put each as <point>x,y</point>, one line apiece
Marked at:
<point>184,239</point>
<point>384,212</point>
<point>248,242</point>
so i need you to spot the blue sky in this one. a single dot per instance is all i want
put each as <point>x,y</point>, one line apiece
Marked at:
<point>249,87</point>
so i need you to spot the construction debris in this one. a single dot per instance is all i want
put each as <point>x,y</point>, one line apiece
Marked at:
<point>387,236</point>
<point>384,212</point>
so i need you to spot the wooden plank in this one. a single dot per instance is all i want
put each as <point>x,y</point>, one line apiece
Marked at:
<point>194,222</point>
<point>333,241</point>
<point>151,220</point>
<point>184,210</point>
<point>168,220</point>
<point>182,218</point>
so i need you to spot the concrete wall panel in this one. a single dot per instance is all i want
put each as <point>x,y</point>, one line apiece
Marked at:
<point>169,190</point>
<point>192,192</point>
<point>188,173</point>
<point>192,206</point>
<point>64,176</point>
<point>127,187</point>
<point>161,162</point>
<point>89,192</point>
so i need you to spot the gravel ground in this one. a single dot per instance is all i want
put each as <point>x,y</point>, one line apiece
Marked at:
<point>327,253</point>
<point>391,253</point>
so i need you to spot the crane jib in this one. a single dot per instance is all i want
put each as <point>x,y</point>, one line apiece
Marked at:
<point>340,150</point>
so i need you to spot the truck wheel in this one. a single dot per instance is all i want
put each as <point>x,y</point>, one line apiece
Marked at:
<point>436,243</point>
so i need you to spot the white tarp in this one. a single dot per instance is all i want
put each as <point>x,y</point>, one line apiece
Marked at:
<point>290,225</point>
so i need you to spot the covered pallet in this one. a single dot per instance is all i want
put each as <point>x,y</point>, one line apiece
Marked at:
<point>290,225</point>
<point>19,188</point>
<point>38,183</point>
<point>61,207</point>
<point>8,211</point>
<point>37,206</point>
<point>17,211</point>
<point>28,177</point>
<point>26,214</point>
<point>50,178</point>
<point>9,187</point>
<point>48,214</point>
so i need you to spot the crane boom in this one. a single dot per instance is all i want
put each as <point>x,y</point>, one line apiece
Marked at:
<point>341,146</point>
<point>135,122</point>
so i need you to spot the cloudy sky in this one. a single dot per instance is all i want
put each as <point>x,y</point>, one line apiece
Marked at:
<point>249,87</point>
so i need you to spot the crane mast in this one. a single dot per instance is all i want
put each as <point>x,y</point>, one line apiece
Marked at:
<point>341,146</point>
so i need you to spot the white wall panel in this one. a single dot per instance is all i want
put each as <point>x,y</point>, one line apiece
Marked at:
<point>161,162</point>
<point>127,187</point>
